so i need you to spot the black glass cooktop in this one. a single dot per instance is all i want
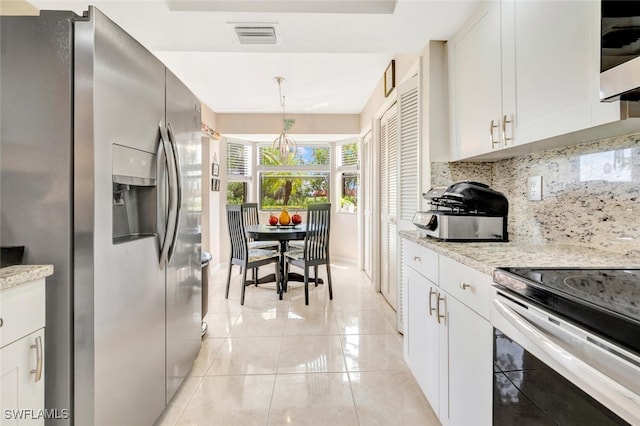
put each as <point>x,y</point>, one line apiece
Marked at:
<point>606,301</point>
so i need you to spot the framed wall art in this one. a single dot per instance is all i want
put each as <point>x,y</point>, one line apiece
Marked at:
<point>215,184</point>
<point>389,78</point>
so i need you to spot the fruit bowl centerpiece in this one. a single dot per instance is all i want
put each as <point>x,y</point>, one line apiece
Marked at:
<point>285,219</point>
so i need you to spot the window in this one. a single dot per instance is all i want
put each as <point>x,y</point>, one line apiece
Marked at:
<point>238,172</point>
<point>348,176</point>
<point>295,181</point>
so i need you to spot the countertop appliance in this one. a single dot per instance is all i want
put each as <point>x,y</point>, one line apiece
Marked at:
<point>582,323</point>
<point>101,178</point>
<point>464,211</point>
<point>620,50</point>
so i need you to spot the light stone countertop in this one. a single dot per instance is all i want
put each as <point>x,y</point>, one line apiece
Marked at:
<point>485,257</point>
<point>12,276</point>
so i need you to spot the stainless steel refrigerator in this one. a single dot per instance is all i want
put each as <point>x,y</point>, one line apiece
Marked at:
<point>100,176</point>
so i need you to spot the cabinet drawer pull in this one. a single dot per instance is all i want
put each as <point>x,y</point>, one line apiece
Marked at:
<point>431,309</point>
<point>417,259</point>
<point>491,127</point>
<point>1,322</point>
<point>464,286</point>
<point>505,139</point>
<point>38,347</point>
<point>438,315</point>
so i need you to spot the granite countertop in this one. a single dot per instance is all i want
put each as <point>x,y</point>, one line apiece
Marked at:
<point>485,257</point>
<point>12,276</point>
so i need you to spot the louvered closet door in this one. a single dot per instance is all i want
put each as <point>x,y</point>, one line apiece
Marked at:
<point>408,135</point>
<point>367,203</point>
<point>389,205</point>
<point>409,161</point>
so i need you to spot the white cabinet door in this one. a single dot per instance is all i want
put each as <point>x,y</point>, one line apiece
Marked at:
<point>20,388</point>
<point>529,68</point>
<point>422,335</point>
<point>475,84</point>
<point>547,74</point>
<point>470,370</point>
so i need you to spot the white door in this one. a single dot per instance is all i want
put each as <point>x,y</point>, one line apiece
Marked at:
<point>367,203</point>
<point>408,166</point>
<point>388,155</point>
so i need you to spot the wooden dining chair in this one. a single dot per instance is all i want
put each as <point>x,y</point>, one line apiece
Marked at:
<point>242,255</point>
<point>315,250</point>
<point>251,217</point>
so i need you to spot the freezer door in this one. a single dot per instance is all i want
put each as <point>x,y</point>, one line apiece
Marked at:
<point>36,172</point>
<point>184,283</point>
<point>120,289</point>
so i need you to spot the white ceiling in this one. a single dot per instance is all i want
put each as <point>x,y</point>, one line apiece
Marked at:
<point>331,57</point>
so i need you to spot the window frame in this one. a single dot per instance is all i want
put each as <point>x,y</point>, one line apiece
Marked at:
<point>342,170</point>
<point>247,178</point>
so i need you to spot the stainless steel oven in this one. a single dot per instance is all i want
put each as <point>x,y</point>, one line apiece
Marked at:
<point>620,50</point>
<point>566,346</point>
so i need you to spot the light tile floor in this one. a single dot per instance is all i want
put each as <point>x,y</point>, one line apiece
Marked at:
<point>275,362</point>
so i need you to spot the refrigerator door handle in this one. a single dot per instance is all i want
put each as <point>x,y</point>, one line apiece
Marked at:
<point>172,198</point>
<point>176,163</point>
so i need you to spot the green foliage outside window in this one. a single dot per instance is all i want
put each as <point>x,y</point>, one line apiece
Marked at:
<point>236,192</point>
<point>291,188</point>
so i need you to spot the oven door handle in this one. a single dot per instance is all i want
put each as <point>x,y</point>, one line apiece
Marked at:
<point>527,322</point>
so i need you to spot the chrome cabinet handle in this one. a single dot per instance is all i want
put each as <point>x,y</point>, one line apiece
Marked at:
<point>38,347</point>
<point>505,139</point>
<point>440,298</point>
<point>431,309</point>
<point>417,259</point>
<point>464,286</point>
<point>1,322</point>
<point>491,127</point>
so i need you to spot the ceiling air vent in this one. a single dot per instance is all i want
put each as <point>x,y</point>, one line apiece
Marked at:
<point>256,34</point>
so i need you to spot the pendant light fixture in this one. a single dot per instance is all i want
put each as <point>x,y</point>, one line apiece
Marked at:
<point>284,143</point>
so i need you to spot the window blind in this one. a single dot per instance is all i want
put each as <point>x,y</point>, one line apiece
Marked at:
<point>238,159</point>
<point>349,154</point>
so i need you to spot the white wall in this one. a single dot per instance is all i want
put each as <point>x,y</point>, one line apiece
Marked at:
<point>306,124</point>
<point>212,203</point>
<point>17,7</point>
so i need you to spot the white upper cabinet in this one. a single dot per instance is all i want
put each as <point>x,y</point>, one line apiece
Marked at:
<point>475,85</point>
<point>546,52</point>
<point>547,55</point>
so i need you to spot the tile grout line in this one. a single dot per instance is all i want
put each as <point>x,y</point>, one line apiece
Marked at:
<point>347,372</point>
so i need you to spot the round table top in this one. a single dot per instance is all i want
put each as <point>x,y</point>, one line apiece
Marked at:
<point>276,232</point>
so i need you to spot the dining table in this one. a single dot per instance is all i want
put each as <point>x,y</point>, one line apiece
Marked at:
<point>283,234</point>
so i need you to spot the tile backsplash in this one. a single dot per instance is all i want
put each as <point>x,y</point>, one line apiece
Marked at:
<point>591,193</point>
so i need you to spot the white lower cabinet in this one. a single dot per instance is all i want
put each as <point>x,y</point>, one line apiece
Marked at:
<point>22,380</point>
<point>422,336</point>
<point>22,320</point>
<point>470,366</point>
<point>448,345</point>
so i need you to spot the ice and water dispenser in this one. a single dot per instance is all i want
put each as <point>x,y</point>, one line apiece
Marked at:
<point>134,194</point>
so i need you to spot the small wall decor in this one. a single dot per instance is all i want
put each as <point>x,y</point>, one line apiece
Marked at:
<point>215,184</point>
<point>215,169</point>
<point>210,132</point>
<point>389,78</point>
